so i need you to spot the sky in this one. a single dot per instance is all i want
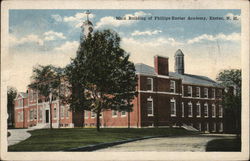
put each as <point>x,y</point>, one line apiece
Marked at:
<point>52,37</point>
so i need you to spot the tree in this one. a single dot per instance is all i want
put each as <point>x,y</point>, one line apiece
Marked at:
<point>101,76</point>
<point>46,81</point>
<point>11,95</point>
<point>231,80</point>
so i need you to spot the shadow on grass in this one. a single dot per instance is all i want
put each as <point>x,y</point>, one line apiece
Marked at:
<point>233,144</point>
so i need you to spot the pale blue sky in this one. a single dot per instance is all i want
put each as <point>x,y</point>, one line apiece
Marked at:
<point>52,37</point>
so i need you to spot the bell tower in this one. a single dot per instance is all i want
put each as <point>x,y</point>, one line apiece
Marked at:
<point>87,26</point>
<point>179,62</point>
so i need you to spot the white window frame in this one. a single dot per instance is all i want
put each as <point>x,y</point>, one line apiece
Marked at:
<point>174,114</point>
<point>205,92</point>
<point>220,111</point>
<point>220,127</point>
<point>213,110</point>
<point>172,82</point>
<point>86,114</point>
<point>67,111</point>
<point>213,93</point>
<point>191,90</point>
<point>123,114</point>
<point>190,103</point>
<point>62,112</point>
<point>206,106</point>
<point>214,127</point>
<point>199,92</point>
<point>198,106</point>
<point>114,113</point>
<point>93,114</point>
<point>150,99</point>
<point>182,110</point>
<point>207,126</point>
<point>152,84</point>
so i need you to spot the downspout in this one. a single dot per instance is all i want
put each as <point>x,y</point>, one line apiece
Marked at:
<point>138,109</point>
<point>36,106</point>
<point>23,115</point>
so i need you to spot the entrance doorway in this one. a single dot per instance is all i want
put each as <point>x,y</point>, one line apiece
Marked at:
<point>47,116</point>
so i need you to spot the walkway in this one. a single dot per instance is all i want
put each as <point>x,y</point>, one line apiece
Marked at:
<point>18,135</point>
<point>176,144</point>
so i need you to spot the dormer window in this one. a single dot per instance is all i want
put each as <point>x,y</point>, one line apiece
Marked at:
<point>189,91</point>
<point>150,84</point>
<point>172,86</point>
<point>206,92</point>
<point>198,91</point>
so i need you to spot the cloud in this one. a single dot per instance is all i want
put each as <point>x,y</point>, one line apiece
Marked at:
<point>57,18</point>
<point>222,37</point>
<point>231,20</point>
<point>112,21</point>
<point>51,35</point>
<point>67,47</point>
<point>77,19</point>
<point>148,32</point>
<point>31,38</point>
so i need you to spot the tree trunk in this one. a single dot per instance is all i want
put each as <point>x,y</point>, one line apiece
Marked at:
<point>98,120</point>
<point>50,107</point>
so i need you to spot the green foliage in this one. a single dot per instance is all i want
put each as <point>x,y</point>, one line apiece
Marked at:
<point>46,81</point>
<point>101,76</point>
<point>231,80</point>
<point>11,95</point>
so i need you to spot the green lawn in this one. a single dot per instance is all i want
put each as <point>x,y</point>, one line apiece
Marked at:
<point>224,145</point>
<point>64,139</point>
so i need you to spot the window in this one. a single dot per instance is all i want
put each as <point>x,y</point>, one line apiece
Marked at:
<point>220,111</point>
<point>123,113</point>
<point>206,92</point>
<point>199,126</point>
<point>93,114</point>
<point>67,111</point>
<point>182,89</point>
<point>172,86</point>
<point>31,95</point>
<point>190,109</point>
<point>214,127</point>
<point>62,112</point>
<point>213,93</point>
<point>189,91</point>
<point>31,114</point>
<point>220,126</point>
<point>198,91</point>
<point>182,110</point>
<point>173,107</point>
<point>55,112</point>
<point>35,114</point>
<point>206,127</point>
<point>86,114</point>
<point>114,113</point>
<point>150,108</point>
<point>34,96</point>
<point>220,93</point>
<point>20,103</point>
<point>198,109</point>
<point>206,110</point>
<point>213,110</point>
<point>20,116</point>
<point>150,84</point>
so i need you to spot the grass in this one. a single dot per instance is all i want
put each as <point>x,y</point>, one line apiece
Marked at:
<point>233,144</point>
<point>64,139</point>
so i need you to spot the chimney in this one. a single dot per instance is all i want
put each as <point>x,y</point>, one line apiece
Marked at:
<point>161,65</point>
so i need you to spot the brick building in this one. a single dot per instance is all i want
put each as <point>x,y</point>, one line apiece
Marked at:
<point>164,99</point>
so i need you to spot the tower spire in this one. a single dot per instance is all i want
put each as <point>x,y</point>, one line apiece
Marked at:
<point>87,13</point>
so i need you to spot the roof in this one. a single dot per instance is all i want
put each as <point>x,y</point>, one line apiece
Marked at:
<point>87,22</point>
<point>186,78</point>
<point>179,53</point>
<point>22,94</point>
